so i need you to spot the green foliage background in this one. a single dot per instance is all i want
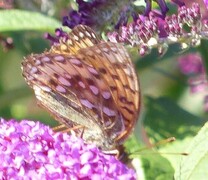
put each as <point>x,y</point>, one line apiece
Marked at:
<point>168,109</point>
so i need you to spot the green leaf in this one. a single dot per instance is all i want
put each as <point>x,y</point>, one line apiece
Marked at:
<point>17,20</point>
<point>194,166</point>
<point>164,119</point>
<point>132,145</point>
<point>13,95</point>
<point>156,167</point>
<point>150,162</point>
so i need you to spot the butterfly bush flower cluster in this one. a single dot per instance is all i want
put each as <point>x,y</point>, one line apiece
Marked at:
<point>152,31</point>
<point>30,150</point>
<point>192,65</point>
<point>105,14</point>
<point>148,30</point>
<point>99,13</point>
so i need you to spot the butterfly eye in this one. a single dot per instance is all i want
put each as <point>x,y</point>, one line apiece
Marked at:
<point>88,83</point>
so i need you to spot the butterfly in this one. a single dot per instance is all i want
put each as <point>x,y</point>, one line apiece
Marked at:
<point>85,81</point>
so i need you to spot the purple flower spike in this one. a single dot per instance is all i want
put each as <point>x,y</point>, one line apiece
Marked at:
<point>59,33</point>
<point>178,2</point>
<point>148,7</point>
<point>96,13</point>
<point>32,150</point>
<point>155,31</point>
<point>100,15</point>
<point>162,5</point>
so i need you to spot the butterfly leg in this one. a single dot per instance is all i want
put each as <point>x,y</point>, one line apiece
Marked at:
<point>58,128</point>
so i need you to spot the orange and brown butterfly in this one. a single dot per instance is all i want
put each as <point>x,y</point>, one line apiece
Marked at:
<point>85,81</point>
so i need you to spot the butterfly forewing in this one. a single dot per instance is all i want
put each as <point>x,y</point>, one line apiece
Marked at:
<point>80,37</point>
<point>90,83</point>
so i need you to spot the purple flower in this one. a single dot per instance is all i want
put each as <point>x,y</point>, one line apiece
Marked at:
<point>143,32</point>
<point>32,150</point>
<point>191,64</point>
<point>59,33</point>
<point>178,2</point>
<point>202,4</point>
<point>152,31</point>
<point>161,3</point>
<point>98,14</point>
<point>198,83</point>
<point>140,33</point>
<point>163,6</point>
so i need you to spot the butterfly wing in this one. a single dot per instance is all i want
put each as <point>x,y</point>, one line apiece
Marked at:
<point>114,65</point>
<point>71,91</point>
<point>80,37</point>
<point>89,83</point>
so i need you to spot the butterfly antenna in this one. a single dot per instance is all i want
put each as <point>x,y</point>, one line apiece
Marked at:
<point>164,141</point>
